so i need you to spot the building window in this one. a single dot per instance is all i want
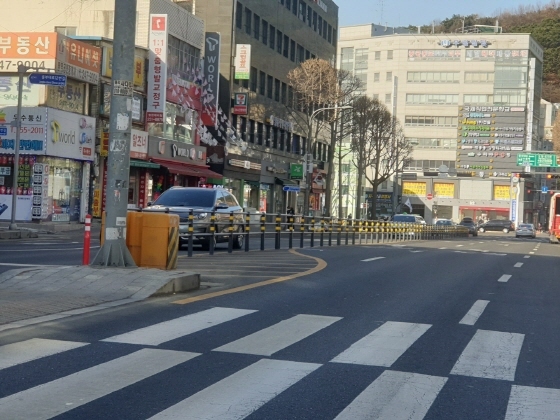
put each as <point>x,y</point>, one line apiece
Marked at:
<point>377,55</point>
<point>302,10</point>
<point>251,131</point>
<point>289,142</point>
<point>248,18</point>
<point>361,59</point>
<point>283,94</point>
<point>388,98</point>
<point>315,21</point>
<point>376,96</point>
<point>66,30</point>
<point>329,34</point>
<point>432,77</point>
<point>282,140</point>
<point>319,25</point>
<point>309,16</point>
<point>429,121</point>
<point>324,29</point>
<point>278,42</point>
<point>292,50</point>
<point>274,143</point>
<point>429,165</point>
<point>253,79</point>
<point>300,54</point>
<point>286,52</point>
<point>243,128</point>
<point>289,4</point>
<point>376,77</point>
<point>295,7</point>
<point>434,99</point>
<point>290,97</point>
<point>480,99</point>
<point>334,36</point>
<point>269,86</point>
<point>307,55</point>
<point>264,32</point>
<point>277,90</point>
<point>260,133</point>
<point>479,77</point>
<point>389,76</point>
<point>272,38</point>
<point>262,82</point>
<point>239,16</point>
<point>256,26</point>
<point>390,55</point>
<point>267,136</point>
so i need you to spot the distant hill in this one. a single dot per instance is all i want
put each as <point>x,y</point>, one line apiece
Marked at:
<point>542,21</point>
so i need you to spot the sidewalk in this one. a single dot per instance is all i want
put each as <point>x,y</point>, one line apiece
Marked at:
<point>33,295</point>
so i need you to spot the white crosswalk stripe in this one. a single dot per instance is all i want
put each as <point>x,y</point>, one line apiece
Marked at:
<point>238,395</point>
<point>277,337</point>
<point>156,334</point>
<point>490,354</point>
<point>474,313</point>
<point>64,394</point>
<point>532,403</point>
<point>36,348</point>
<point>395,396</point>
<point>383,346</point>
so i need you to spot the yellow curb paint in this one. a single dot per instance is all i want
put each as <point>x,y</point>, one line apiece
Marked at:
<point>321,265</point>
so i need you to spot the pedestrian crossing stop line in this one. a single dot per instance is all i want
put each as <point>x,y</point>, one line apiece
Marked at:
<point>270,340</point>
<point>395,395</point>
<point>36,348</point>
<point>384,345</point>
<point>373,259</point>
<point>61,395</point>
<point>240,394</point>
<point>156,334</point>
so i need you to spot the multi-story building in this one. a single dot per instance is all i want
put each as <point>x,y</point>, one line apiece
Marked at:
<point>469,104</point>
<point>281,35</point>
<point>166,144</point>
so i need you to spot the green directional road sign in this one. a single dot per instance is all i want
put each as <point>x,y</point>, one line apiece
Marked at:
<point>539,160</point>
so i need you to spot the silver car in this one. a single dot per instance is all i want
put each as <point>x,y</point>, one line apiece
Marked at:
<point>525,229</point>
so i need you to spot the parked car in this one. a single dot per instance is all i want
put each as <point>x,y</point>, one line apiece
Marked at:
<point>445,222</point>
<point>408,218</point>
<point>202,201</point>
<point>469,223</point>
<point>497,225</point>
<point>526,229</point>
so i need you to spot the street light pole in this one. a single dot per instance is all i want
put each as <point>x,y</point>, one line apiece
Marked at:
<point>309,156</point>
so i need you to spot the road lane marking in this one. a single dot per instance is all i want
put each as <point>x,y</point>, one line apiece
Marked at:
<point>527,256</point>
<point>61,395</point>
<point>321,264</point>
<point>162,332</point>
<point>490,354</point>
<point>373,259</point>
<point>383,346</point>
<point>504,278</point>
<point>527,402</point>
<point>461,252</point>
<point>518,265</point>
<point>48,249</point>
<point>33,349</point>
<point>443,247</point>
<point>414,252</point>
<point>270,340</point>
<point>34,265</point>
<point>240,394</point>
<point>395,395</point>
<point>531,252</point>
<point>474,313</point>
<point>459,246</point>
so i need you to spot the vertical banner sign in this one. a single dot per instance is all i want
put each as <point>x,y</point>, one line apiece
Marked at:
<point>242,61</point>
<point>212,76</point>
<point>39,209</point>
<point>157,70</point>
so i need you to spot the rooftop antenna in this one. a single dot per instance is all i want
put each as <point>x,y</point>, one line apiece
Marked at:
<point>381,7</point>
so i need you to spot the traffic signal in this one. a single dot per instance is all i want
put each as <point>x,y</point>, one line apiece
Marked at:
<point>551,176</point>
<point>399,199</point>
<point>521,175</point>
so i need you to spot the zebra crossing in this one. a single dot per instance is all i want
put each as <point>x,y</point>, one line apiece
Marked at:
<point>393,394</point>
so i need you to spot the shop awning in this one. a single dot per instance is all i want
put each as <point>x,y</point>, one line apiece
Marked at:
<point>285,181</point>
<point>186,169</point>
<point>143,164</point>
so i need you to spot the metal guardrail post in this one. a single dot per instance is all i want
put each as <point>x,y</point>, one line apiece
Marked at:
<point>278,229</point>
<point>247,230</point>
<point>212,243</point>
<point>301,230</point>
<point>230,228</point>
<point>339,232</point>
<point>191,233</point>
<point>291,231</point>
<point>353,226</point>
<point>263,230</point>
<point>312,227</point>
<point>330,222</point>
<point>321,232</point>
<point>347,228</point>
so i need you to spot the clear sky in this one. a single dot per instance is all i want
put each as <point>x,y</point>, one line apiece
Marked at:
<point>420,12</point>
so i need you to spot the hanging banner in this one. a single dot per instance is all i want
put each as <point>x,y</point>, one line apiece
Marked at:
<point>242,61</point>
<point>414,188</point>
<point>501,192</point>
<point>212,79</point>
<point>157,69</point>
<point>444,190</point>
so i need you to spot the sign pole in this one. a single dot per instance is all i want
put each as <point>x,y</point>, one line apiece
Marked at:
<point>21,70</point>
<point>114,252</point>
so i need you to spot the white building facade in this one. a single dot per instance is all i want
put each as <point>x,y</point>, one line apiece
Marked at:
<point>468,103</point>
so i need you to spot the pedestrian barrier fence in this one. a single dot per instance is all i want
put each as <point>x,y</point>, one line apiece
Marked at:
<point>239,230</point>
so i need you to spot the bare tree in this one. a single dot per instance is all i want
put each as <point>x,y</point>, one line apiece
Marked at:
<point>556,134</point>
<point>378,144</point>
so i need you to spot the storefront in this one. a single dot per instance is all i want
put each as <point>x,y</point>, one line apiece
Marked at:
<point>318,189</point>
<point>274,175</point>
<point>181,164</point>
<point>242,178</point>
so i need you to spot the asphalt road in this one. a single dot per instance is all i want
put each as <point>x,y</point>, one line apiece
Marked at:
<point>460,329</point>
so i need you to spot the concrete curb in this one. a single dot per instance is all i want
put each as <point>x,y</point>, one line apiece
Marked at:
<point>18,234</point>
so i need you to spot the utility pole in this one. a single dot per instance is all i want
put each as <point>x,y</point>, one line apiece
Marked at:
<point>114,252</point>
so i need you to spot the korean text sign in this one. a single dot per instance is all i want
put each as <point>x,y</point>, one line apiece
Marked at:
<point>157,70</point>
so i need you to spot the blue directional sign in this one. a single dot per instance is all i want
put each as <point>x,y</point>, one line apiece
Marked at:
<point>291,188</point>
<point>51,79</point>
<point>544,189</point>
<point>3,131</point>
